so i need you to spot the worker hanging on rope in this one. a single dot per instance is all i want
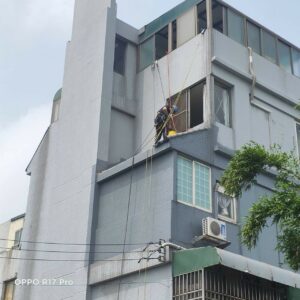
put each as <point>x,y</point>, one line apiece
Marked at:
<point>164,122</point>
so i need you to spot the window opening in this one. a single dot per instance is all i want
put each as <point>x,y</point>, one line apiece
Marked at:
<point>226,205</point>
<point>9,287</point>
<point>196,105</point>
<point>296,62</point>
<point>269,46</point>
<point>55,110</point>
<point>284,56</point>
<point>161,43</point>
<point>235,26</point>
<point>222,105</point>
<point>217,14</point>
<point>146,53</point>
<point>181,118</point>
<point>190,107</point>
<point>17,238</point>
<point>202,19</point>
<point>254,37</point>
<point>174,35</point>
<point>120,51</point>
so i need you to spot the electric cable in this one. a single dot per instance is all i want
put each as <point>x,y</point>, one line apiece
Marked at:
<point>77,244</point>
<point>74,260</point>
<point>69,252</point>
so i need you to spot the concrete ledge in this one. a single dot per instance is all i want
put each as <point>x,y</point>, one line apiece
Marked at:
<point>132,162</point>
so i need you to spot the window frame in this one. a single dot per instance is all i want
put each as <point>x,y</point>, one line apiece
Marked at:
<point>297,125</point>
<point>193,184</point>
<point>220,189</point>
<point>186,93</point>
<point>278,42</point>
<point>125,44</point>
<point>5,284</point>
<point>229,88</point>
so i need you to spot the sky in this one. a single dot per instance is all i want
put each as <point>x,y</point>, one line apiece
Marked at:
<point>33,35</point>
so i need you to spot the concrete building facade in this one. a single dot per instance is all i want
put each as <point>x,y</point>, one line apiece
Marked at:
<point>106,210</point>
<point>10,233</point>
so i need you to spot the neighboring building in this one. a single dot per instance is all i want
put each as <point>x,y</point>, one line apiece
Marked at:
<point>100,193</point>
<point>10,234</point>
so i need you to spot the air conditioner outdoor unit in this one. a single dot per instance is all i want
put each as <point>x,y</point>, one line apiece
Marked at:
<point>214,228</point>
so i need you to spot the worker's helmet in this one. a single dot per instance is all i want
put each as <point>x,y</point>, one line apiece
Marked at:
<point>175,109</point>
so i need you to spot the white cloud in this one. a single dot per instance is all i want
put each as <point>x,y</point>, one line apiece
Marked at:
<point>18,142</point>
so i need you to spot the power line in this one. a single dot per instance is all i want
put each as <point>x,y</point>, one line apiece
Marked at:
<point>75,260</point>
<point>71,252</point>
<point>79,244</point>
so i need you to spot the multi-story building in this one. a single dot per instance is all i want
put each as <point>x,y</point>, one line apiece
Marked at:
<point>110,216</point>
<point>10,236</point>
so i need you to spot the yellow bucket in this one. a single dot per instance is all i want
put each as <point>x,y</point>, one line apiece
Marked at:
<point>172,133</point>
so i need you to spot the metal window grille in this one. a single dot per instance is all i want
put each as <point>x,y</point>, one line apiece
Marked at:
<point>226,284</point>
<point>188,286</point>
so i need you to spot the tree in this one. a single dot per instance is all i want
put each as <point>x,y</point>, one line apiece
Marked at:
<point>282,206</point>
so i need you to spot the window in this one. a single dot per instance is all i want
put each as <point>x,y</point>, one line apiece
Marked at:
<point>190,108</point>
<point>186,26</point>
<point>296,62</point>
<point>55,110</point>
<point>120,51</point>
<point>298,138</point>
<point>161,43</point>
<point>217,15</point>
<point>269,46</point>
<point>226,205</point>
<point>284,56</point>
<point>17,238</point>
<point>222,105</point>
<point>146,53</point>
<point>193,183</point>
<point>201,13</point>
<point>254,37</point>
<point>174,35</point>
<point>9,287</point>
<point>235,27</point>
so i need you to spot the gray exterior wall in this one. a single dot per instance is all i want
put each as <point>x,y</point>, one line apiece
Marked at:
<point>154,284</point>
<point>149,188</point>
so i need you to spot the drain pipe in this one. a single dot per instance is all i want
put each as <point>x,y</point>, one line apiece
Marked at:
<point>171,245</point>
<point>251,68</point>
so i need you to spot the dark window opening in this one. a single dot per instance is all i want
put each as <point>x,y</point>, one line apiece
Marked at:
<point>120,51</point>
<point>196,105</point>
<point>174,35</point>
<point>217,15</point>
<point>202,19</point>
<point>161,43</point>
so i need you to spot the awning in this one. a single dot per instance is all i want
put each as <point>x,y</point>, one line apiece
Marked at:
<point>186,261</point>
